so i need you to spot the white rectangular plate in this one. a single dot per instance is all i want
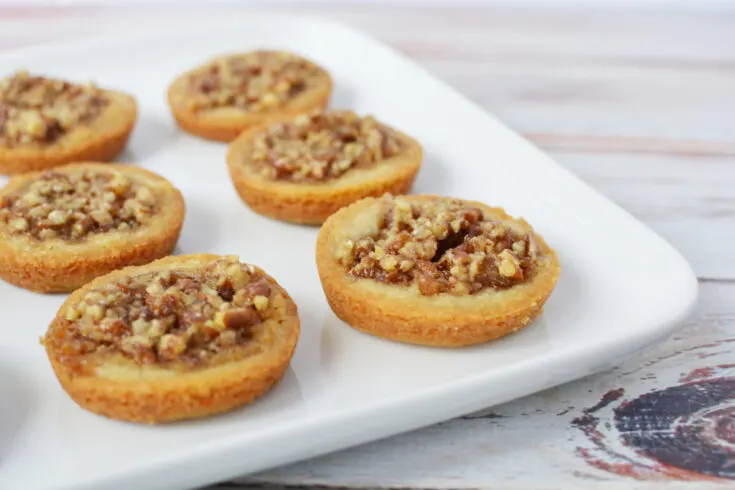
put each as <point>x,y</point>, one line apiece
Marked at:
<point>621,287</point>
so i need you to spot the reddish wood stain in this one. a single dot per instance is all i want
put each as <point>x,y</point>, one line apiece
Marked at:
<point>699,373</point>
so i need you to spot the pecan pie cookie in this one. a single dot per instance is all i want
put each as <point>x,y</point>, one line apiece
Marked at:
<point>304,169</point>
<point>433,270</point>
<point>231,93</point>
<point>46,122</point>
<point>61,228</point>
<point>179,338</point>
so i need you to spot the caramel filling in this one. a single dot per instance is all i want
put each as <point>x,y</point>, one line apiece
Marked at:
<point>322,146</point>
<point>73,206</point>
<point>443,246</point>
<point>256,82</point>
<point>167,317</point>
<point>41,110</point>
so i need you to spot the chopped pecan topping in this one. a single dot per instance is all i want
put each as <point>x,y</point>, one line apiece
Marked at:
<point>38,109</point>
<point>444,246</point>
<point>168,316</point>
<point>260,81</point>
<point>72,206</point>
<point>322,146</point>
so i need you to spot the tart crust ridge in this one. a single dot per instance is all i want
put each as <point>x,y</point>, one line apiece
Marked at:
<point>56,266</point>
<point>126,390</point>
<point>226,123</point>
<point>101,140</point>
<point>401,313</point>
<point>312,203</point>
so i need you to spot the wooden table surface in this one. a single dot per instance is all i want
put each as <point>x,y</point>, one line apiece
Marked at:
<point>641,105</point>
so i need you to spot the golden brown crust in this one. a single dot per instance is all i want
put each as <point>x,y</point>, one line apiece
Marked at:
<point>101,141</point>
<point>153,395</point>
<point>157,402</point>
<point>226,127</point>
<point>400,313</point>
<point>226,123</point>
<point>56,266</point>
<point>312,203</point>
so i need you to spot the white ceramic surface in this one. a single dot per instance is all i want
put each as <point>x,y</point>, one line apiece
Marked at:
<point>621,288</point>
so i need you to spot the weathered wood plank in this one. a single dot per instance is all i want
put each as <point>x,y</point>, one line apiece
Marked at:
<point>567,79</point>
<point>602,35</point>
<point>511,445</point>
<point>638,108</point>
<point>688,200</point>
<point>477,33</point>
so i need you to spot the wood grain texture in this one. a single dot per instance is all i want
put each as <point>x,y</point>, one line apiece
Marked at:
<point>638,80</point>
<point>638,103</point>
<point>511,446</point>
<point>688,200</point>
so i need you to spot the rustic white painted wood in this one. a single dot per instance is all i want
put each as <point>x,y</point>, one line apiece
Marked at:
<point>526,444</point>
<point>638,103</point>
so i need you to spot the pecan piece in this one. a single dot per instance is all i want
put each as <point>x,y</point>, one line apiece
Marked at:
<point>241,319</point>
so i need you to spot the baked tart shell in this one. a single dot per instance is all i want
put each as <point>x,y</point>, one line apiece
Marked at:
<point>402,314</point>
<point>312,203</point>
<point>58,267</point>
<point>150,394</point>
<point>100,141</point>
<point>226,123</point>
